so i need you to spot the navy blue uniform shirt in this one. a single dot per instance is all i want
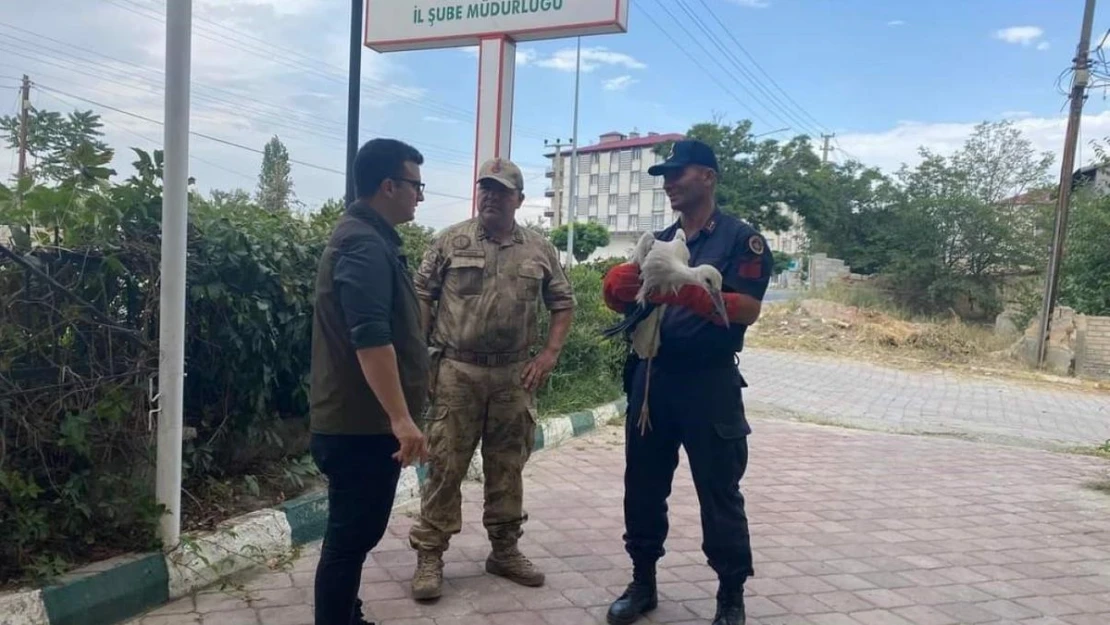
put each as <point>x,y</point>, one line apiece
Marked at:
<point>745,262</point>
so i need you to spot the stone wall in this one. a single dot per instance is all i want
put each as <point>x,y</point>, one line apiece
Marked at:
<point>824,270</point>
<point>1092,353</point>
<point>1077,344</point>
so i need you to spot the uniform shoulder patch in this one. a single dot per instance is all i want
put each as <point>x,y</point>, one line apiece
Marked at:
<point>460,242</point>
<point>755,244</point>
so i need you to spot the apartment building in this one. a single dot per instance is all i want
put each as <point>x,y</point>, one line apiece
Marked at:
<point>614,188</point>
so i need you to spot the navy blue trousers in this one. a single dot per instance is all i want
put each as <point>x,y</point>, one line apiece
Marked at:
<point>702,410</point>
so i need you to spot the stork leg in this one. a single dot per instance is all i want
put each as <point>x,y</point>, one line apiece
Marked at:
<point>644,422</point>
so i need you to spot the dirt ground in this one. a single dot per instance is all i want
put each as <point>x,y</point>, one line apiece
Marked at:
<point>827,327</point>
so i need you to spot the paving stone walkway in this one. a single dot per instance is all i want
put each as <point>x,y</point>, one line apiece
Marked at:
<point>875,396</point>
<point>850,528</point>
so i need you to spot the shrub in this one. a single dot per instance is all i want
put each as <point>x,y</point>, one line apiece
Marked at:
<point>79,353</point>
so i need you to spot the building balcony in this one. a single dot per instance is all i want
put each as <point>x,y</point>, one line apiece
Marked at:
<point>549,192</point>
<point>549,172</point>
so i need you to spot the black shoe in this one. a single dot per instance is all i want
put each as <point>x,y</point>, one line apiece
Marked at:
<point>730,608</point>
<point>638,599</point>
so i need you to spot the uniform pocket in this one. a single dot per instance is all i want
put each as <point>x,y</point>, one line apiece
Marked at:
<point>529,278</point>
<point>466,274</point>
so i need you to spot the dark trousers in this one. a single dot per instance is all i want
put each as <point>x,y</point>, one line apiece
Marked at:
<point>702,410</point>
<point>362,480</point>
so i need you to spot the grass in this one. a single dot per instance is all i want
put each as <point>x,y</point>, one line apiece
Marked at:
<point>584,394</point>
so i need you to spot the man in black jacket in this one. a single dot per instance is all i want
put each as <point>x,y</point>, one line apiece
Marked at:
<point>369,370</point>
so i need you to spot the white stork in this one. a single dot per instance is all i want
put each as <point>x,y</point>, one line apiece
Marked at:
<point>664,267</point>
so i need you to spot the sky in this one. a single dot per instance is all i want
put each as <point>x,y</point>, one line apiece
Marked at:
<point>886,77</point>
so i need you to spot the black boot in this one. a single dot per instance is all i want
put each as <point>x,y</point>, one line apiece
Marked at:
<point>639,598</point>
<point>730,605</point>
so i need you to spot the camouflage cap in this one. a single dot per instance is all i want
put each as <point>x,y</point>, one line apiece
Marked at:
<point>502,170</point>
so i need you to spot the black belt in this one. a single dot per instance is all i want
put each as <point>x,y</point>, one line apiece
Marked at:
<point>485,359</point>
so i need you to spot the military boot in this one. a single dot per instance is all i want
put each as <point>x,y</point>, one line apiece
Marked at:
<point>639,598</point>
<point>730,605</point>
<point>427,580</point>
<point>507,561</point>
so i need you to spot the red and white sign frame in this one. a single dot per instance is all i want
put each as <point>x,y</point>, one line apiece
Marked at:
<point>496,66</point>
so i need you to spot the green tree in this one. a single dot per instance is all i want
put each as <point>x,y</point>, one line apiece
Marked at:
<point>588,237</point>
<point>758,178</point>
<point>1085,275</point>
<point>62,149</point>
<point>275,180</point>
<point>782,262</point>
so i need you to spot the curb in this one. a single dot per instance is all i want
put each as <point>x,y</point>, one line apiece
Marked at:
<point>108,592</point>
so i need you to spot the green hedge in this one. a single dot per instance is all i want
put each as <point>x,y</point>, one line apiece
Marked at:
<point>79,351</point>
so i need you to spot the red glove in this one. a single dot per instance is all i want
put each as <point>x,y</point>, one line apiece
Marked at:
<point>620,286</point>
<point>697,299</point>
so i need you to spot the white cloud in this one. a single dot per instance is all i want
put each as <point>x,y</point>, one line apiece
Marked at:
<point>440,120</point>
<point>890,148</point>
<point>1021,35</point>
<point>524,56</point>
<point>279,7</point>
<point>592,58</point>
<point>619,83</point>
<point>896,23</point>
<point>1044,45</point>
<point>752,4</point>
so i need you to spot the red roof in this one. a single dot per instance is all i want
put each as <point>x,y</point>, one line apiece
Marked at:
<point>626,144</point>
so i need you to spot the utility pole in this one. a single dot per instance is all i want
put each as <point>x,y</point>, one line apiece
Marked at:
<point>1067,166</point>
<point>574,158</point>
<point>171,303</point>
<point>354,95</point>
<point>24,122</point>
<point>557,181</point>
<point>825,148</point>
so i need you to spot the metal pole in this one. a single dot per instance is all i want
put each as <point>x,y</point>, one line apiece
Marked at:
<point>175,217</point>
<point>574,159</point>
<point>1067,166</point>
<point>354,82</point>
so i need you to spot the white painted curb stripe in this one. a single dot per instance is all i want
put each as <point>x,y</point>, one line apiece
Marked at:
<point>23,608</point>
<point>245,542</point>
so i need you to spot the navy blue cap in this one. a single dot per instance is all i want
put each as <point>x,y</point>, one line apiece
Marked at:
<point>683,153</point>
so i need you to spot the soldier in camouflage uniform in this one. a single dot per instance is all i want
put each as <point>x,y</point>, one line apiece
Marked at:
<point>479,286</point>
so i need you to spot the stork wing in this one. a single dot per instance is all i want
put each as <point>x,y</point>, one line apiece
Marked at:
<point>631,319</point>
<point>643,246</point>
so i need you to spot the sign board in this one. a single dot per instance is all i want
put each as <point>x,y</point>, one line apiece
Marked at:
<point>393,26</point>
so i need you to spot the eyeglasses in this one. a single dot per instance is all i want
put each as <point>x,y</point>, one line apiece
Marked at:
<point>415,183</point>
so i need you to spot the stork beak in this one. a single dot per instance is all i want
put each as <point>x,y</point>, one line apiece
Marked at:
<point>719,304</point>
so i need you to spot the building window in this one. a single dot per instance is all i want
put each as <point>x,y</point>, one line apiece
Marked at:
<point>612,203</point>
<point>634,201</point>
<point>595,158</point>
<point>602,183</point>
<point>614,182</point>
<point>593,204</point>
<point>657,221</point>
<point>611,221</point>
<point>614,161</point>
<point>635,180</point>
<point>637,154</point>
<point>658,201</point>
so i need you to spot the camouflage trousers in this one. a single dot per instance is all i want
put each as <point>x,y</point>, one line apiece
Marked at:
<point>474,403</point>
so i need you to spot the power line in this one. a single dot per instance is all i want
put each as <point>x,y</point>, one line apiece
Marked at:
<point>697,63</point>
<point>226,142</point>
<point>770,79</point>
<point>277,118</point>
<point>794,120</point>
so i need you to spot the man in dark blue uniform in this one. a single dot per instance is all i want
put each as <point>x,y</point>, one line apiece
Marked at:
<point>695,398</point>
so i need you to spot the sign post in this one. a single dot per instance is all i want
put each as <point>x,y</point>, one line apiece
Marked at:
<point>495,26</point>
